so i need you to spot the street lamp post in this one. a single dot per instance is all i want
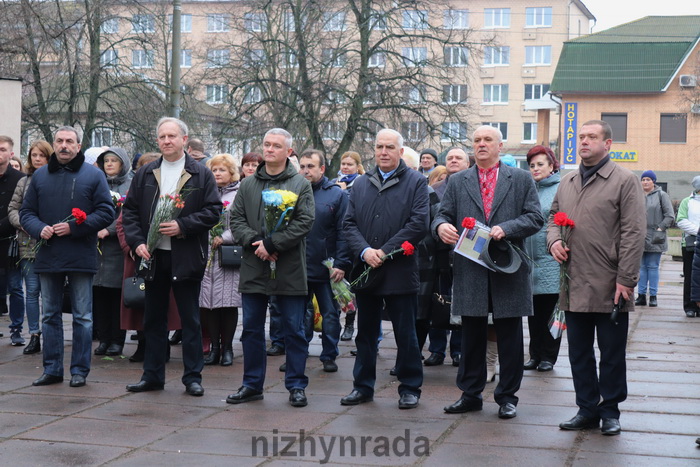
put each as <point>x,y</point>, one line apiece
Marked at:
<point>174,104</point>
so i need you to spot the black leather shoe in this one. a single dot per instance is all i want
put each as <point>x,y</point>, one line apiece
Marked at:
<point>355,397</point>
<point>435,359</point>
<point>275,350</point>
<point>611,427</point>
<point>194,389</point>
<point>114,350</point>
<point>283,367</point>
<point>690,313</point>
<point>244,394</point>
<point>392,372</point>
<point>531,364</point>
<point>641,300</point>
<point>579,422</point>
<point>348,331</point>
<point>353,352</point>
<point>47,379</point>
<point>34,345</point>
<point>213,357</point>
<point>144,386</point>
<point>652,301</point>
<point>102,348</point>
<point>408,401</point>
<point>456,359</point>
<point>176,338</point>
<point>507,410</point>
<point>297,398</point>
<point>545,366</point>
<point>329,366</point>
<point>227,358</point>
<point>462,406</point>
<point>77,381</point>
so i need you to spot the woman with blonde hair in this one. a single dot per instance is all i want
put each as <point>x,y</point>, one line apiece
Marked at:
<point>350,169</point>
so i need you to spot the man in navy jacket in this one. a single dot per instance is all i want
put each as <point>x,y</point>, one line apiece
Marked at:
<point>326,240</point>
<point>70,249</point>
<point>388,206</point>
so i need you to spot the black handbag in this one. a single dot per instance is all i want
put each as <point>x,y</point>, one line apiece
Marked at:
<point>134,292</point>
<point>658,237</point>
<point>230,256</point>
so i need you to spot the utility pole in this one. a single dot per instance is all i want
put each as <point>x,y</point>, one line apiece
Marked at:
<point>174,104</point>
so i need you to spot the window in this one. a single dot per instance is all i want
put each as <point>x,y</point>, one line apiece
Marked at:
<point>185,22</point>
<point>101,137</point>
<point>495,93</point>
<point>535,91</point>
<point>216,93</point>
<point>369,130</point>
<point>109,57</point>
<point>618,123</point>
<point>456,19</point>
<point>456,56</point>
<point>332,130</point>
<point>110,26</point>
<point>502,126</point>
<point>142,23</point>
<point>377,21</point>
<point>453,131</point>
<point>142,58</point>
<point>373,94</point>
<point>538,55</point>
<point>415,19</point>
<point>415,94</point>
<point>217,22</point>
<point>331,57</point>
<point>254,57</point>
<point>289,24</point>
<point>454,94</point>
<point>185,58</point>
<point>217,58</point>
<point>334,21</point>
<point>253,95</point>
<point>377,59</point>
<point>335,96</point>
<point>673,128</point>
<point>496,17</point>
<point>540,17</point>
<point>414,56</point>
<point>414,131</point>
<point>494,56</point>
<point>255,22</point>
<point>290,60</point>
<point>530,132</point>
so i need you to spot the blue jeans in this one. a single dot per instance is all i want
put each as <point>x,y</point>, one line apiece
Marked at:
<point>649,273</point>
<point>292,309</point>
<point>330,313</point>
<point>438,342</point>
<point>33,290</point>
<point>14,288</point>
<point>276,335</point>
<point>81,304</point>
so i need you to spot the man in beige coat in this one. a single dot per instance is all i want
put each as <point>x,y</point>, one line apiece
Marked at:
<point>602,253</point>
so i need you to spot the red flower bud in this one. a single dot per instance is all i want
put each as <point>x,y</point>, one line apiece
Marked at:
<point>468,223</point>
<point>408,249</point>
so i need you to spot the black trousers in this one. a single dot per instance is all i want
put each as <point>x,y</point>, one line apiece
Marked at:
<point>688,305</point>
<point>155,323</point>
<point>543,347</point>
<point>598,392</point>
<point>106,309</point>
<point>471,376</point>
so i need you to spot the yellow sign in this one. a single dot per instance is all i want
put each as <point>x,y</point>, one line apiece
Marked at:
<point>624,156</point>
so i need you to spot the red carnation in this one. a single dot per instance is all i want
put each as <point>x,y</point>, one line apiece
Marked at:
<point>561,219</point>
<point>408,249</point>
<point>570,223</point>
<point>79,215</point>
<point>468,223</point>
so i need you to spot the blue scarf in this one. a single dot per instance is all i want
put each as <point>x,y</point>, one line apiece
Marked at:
<point>347,178</point>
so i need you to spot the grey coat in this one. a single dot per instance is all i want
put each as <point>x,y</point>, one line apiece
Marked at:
<point>659,216</point>
<point>26,242</point>
<point>516,209</point>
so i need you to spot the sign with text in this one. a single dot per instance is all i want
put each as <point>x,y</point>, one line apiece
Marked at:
<point>624,156</point>
<point>570,132</point>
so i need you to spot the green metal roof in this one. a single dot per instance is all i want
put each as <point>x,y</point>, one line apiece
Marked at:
<point>637,57</point>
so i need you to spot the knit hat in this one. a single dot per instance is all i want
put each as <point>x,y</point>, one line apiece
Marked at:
<point>649,174</point>
<point>431,152</point>
<point>91,154</point>
<point>696,183</point>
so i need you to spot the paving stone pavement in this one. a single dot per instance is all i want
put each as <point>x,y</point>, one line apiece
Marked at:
<point>102,424</point>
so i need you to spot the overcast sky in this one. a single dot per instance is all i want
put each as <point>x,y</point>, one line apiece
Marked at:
<point>610,13</point>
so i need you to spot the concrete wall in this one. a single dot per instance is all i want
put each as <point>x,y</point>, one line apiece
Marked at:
<point>11,121</point>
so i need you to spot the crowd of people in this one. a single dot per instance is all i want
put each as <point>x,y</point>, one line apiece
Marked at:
<point>83,227</point>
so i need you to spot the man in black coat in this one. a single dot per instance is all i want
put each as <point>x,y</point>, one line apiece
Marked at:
<point>179,257</point>
<point>388,207</point>
<point>8,181</point>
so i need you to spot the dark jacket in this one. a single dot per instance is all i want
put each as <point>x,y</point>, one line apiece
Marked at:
<point>8,183</point>
<point>383,216</point>
<point>110,258</point>
<point>248,226</point>
<point>55,190</point>
<point>326,238</point>
<point>201,213</point>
